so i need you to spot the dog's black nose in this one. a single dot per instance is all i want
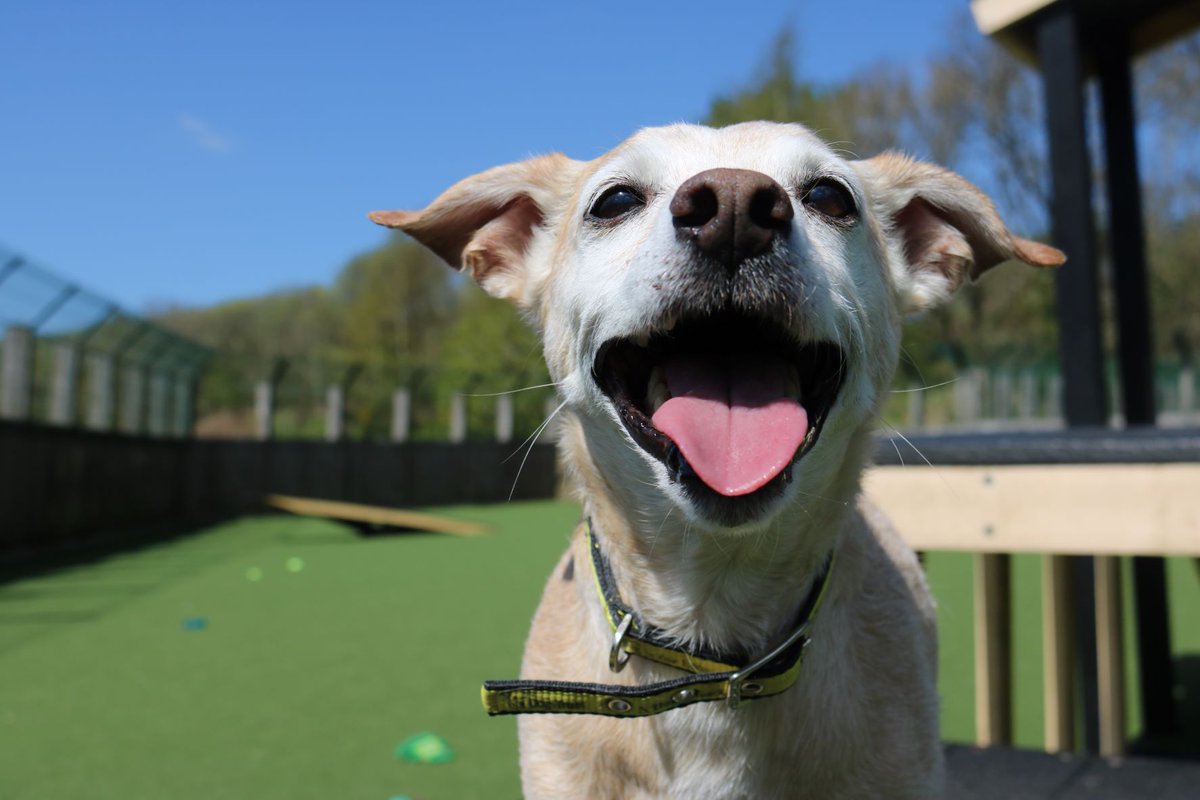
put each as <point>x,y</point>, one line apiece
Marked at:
<point>731,214</point>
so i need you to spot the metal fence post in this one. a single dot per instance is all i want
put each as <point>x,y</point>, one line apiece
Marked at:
<point>264,410</point>
<point>504,418</point>
<point>1187,390</point>
<point>101,392</point>
<point>159,400</point>
<point>335,413</point>
<point>133,396</point>
<point>401,414</point>
<point>916,407</point>
<point>16,379</point>
<point>458,417</point>
<point>185,404</point>
<point>1027,396</point>
<point>65,384</point>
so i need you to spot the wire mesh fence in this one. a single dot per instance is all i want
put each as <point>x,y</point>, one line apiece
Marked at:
<point>71,357</point>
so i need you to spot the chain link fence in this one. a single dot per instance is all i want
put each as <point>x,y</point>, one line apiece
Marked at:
<point>73,358</point>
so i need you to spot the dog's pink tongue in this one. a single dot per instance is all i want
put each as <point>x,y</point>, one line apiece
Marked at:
<point>731,420</point>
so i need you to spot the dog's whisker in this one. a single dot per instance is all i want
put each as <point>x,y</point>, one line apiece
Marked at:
<point>533,435</point>
<point>928,463</point>
<point>924,388</point>
<point>514,391</point>
<point>833,500</point>
<point>716,540</point>
<point>529,450</point>
<point>657,533</point>
<point>899,455</point>
<point>908,357</point>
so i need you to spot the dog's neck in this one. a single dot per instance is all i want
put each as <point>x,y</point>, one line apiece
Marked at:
<point>728,591</point>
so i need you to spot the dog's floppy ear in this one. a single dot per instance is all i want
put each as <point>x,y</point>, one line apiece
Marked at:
<point>943,228</point>
<point>484,224</point>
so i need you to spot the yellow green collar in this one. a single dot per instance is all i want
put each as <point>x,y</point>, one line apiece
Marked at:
<point>715,675</point>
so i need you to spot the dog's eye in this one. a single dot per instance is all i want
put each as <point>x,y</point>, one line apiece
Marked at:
<point>831,199</point>
<point>616,202</point>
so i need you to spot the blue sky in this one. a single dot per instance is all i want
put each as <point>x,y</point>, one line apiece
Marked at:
<point>191,153</point>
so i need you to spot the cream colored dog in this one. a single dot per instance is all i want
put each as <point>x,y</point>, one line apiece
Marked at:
<point>721,312</point>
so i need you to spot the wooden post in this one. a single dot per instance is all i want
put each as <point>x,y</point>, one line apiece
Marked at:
<point>65,384</point>
<point>264,410</point>
<point>133,396</point>
<point>401,414</point>
<point>1052,405</point>
<point>504,418</point>
<point>16,377</point>
<point>1187,390</point>
<point>185,405</point>
<point>1057,635</point>
<point>335,413</point>
<point>916,407</point>
<point>968,393</point>
<point>993,650</point>
<point>1002,393</point>
<point>1110,655</point>
<point>458,417</point>
<point>101,392</point>
<point>265,393</point>
<point>1027,396</point>
<point>159,402</point>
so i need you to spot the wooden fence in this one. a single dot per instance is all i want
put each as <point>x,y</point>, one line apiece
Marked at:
<point>1098,494</point>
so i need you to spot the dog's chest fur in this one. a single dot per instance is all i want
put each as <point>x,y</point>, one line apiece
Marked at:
<point>861,721</point>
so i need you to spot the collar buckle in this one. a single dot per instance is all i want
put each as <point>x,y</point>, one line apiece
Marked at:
<point>737,685</point>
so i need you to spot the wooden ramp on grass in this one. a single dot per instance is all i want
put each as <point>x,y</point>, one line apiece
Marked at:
<point>375,515</point>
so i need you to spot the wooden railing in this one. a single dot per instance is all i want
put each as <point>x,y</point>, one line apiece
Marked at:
<point>1097,494</point>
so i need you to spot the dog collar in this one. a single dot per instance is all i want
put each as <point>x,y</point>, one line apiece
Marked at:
<point>715,674</point>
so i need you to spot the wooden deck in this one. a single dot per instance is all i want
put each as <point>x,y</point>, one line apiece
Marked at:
<point>1004,774</point>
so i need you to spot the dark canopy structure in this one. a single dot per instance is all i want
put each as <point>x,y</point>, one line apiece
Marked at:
<point>1070,42</point>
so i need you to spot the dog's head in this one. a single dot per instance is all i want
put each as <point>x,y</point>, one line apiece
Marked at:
<point>721,308</point>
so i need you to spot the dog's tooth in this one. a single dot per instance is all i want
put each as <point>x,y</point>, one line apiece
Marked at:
<point>656,391</point>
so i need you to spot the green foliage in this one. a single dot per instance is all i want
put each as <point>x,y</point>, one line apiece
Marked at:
<point>395,317</point>
<point>777,95</point>
<point>497,351</point>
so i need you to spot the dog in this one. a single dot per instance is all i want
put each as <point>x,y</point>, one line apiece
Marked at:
<point>721,312</point>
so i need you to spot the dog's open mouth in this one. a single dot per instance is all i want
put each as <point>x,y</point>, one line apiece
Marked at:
<point>727,402</point>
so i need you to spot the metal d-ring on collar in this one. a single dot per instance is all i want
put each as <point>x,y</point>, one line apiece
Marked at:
<point>618,657</point>
<point>714,674</point>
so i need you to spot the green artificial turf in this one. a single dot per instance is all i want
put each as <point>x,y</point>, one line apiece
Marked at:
<point>301,684</point>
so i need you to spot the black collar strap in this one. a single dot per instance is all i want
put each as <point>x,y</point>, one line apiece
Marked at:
<point>715,676</point>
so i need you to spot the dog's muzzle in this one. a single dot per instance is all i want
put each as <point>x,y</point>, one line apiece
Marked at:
<point>727,402</point>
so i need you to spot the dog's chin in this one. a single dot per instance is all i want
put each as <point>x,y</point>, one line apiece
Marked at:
<point>629,372</point>
<point>733,515</point>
